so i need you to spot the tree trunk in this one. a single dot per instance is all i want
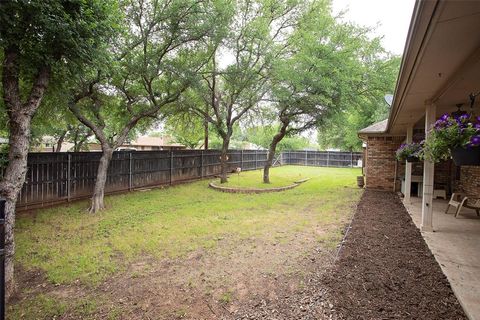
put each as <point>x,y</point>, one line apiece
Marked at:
<point>20,117</point>
<point>97,203</point>
<point>60,141</point>
<point>224,159</point>
<point>205,124</point>
<point>11,185</point>
<point>271,151</point>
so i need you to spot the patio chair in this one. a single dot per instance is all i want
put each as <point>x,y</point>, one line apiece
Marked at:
<point>460,200</point>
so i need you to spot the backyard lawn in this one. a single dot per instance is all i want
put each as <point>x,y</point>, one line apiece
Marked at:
<point>181,252</point>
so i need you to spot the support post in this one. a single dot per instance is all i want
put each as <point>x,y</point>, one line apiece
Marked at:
<point>351,159</point>
<point>408,170</point>
<point>2,259</point>
<point>328,159</point>
<point>130,171</point>
<point>171,166</point>
<point>306,157</point>
<point>428,173</point>
<point>69,177</point>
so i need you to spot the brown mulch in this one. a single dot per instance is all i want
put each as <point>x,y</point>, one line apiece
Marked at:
<point>385,269</point>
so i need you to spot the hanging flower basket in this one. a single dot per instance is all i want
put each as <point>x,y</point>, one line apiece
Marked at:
<point>466,156</point>
<point>454,136</point>
<point>409,151</point>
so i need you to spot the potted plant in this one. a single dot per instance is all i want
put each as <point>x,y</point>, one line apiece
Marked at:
<point>456,137</point>
<point>409,151</point>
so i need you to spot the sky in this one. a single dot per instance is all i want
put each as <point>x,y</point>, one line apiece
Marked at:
<point>392,17</point>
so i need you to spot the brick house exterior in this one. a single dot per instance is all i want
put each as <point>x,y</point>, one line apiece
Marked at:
<point>380,163</point>
<point>383,172</point>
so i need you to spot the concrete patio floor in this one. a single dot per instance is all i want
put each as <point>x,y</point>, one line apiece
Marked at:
<point>455,243</point>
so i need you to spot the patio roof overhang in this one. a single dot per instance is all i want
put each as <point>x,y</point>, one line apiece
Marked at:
<point>441,62</point>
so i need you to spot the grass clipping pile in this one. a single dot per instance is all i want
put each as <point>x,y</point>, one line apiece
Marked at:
<point>385,269</point>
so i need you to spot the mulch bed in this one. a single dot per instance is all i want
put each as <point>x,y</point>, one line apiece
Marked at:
<point>385,269</point>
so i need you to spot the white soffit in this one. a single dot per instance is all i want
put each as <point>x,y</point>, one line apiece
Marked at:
<point>447,66</point>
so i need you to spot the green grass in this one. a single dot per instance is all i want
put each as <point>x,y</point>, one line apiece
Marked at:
<point>254,179</point>
<point>69,245</point>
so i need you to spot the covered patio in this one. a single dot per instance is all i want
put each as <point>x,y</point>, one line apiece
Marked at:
<point>439,74</point>
<point>455,245</point>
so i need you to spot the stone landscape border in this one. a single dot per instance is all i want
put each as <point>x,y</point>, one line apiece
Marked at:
<point>255,190</point>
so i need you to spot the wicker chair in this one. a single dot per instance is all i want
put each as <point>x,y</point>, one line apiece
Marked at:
<point>460,200</point>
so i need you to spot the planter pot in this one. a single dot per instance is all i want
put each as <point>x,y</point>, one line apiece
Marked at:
<point>412,159</point>
<point>466,157</point>
<point>360,181</point>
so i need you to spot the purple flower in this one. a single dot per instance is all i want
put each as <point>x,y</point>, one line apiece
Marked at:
<point>444,117</point>
<point>477,126</point>
<point>475,140</point>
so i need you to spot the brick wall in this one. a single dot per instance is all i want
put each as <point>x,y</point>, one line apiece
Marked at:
<point>380,162</point>
<point>380,166</point>
<point>470,180</point>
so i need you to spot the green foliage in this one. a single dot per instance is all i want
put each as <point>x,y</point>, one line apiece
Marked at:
<point>60,34</point>
<point>409,150</point>
<point>185,129</point>
<point>372,75</point>
<point>262,136</point>
<point>3,156</point>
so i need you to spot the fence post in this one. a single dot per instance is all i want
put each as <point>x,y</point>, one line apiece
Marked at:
<point>241,159</point>
<point>351,159</point>
<point>306,157</point>
<point>201,164</point>
<point>69,178</point>
<point>328,158</point>
<point>2,259</point>
<point>171,166</point>
<point>130,182</point>
<point>256,160</point>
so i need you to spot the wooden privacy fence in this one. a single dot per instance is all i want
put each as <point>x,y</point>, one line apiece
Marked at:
<point>62,177</point>
<point>322,158</point>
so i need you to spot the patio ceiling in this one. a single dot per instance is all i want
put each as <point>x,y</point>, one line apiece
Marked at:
<point>441,62</point>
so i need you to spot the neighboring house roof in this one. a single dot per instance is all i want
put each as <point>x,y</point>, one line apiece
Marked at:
<point>379,127</point>
<point>153,142</point>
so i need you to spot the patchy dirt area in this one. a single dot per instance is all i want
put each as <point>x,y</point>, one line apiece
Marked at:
<point>208,284</point>
<point>384,271</point>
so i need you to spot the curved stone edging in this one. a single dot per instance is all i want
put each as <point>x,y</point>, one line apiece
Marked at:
<point>302,180</point>
<point>254,190</point>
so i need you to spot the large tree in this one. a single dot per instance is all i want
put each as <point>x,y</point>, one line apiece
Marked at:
<point>236,78</point>
<point>374,74</point>
<point>311,83</point>
<point>40,41</point>
<point>152,64</point>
